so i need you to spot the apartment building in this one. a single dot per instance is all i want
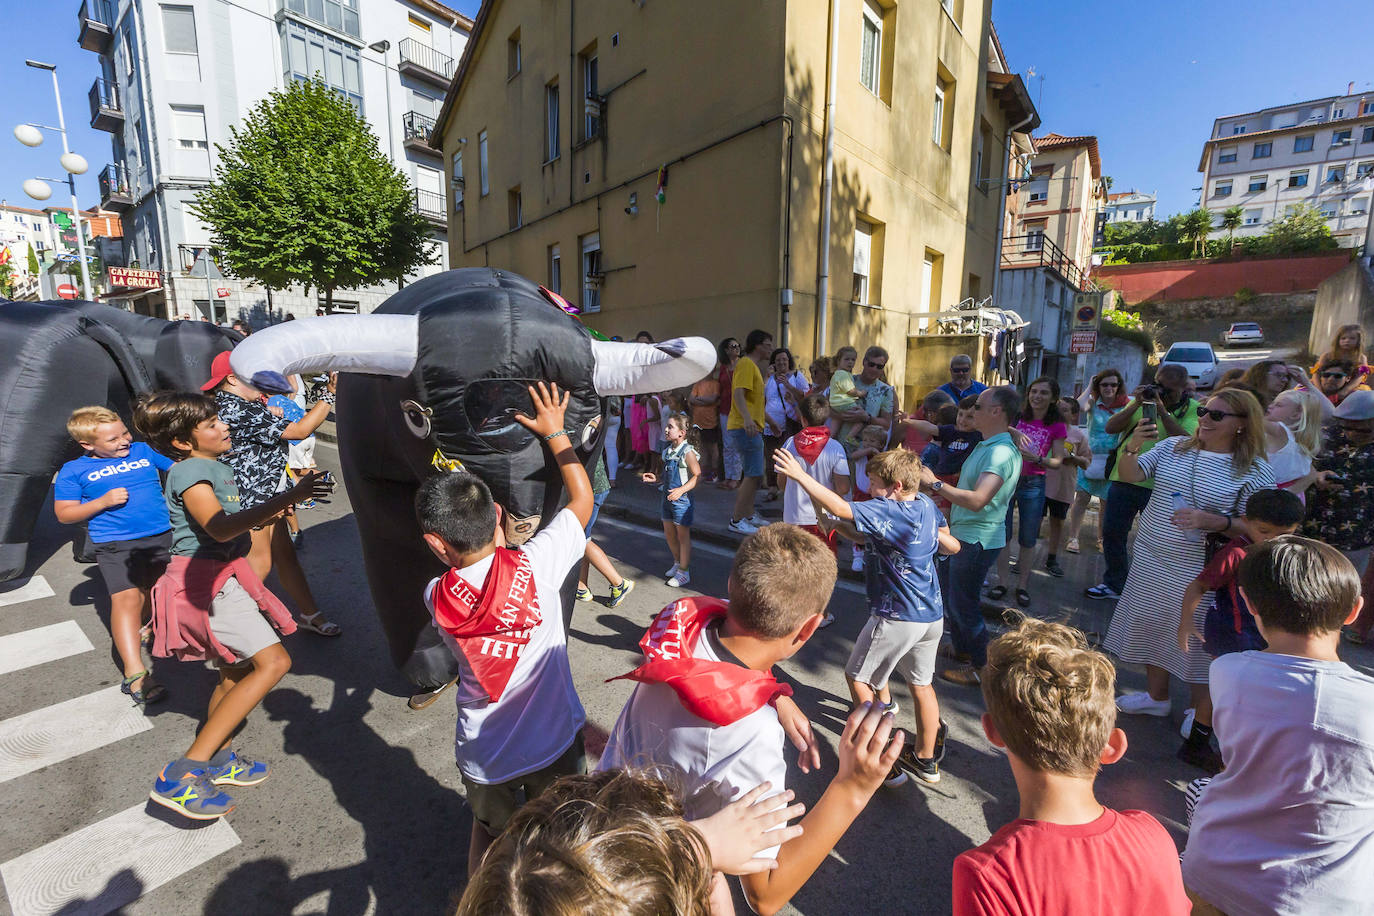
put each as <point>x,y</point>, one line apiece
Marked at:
<point>664,165</point>
<point>1047,251</point>
<point>1130,207</point>
<point>175,76</point>
<point>51,234</point>
<point>1318,152</point>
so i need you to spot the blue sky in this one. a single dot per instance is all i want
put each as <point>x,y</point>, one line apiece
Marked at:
<point>1146,78</point>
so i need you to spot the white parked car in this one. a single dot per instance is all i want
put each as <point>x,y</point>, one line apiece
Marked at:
<point>1198,358</point>
<point>1243,334</point>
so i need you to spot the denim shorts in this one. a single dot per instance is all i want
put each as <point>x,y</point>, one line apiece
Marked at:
<point>750,449</point>
<point>678,511</point>
<point>597,500</point>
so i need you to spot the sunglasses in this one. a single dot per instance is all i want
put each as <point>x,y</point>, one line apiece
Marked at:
<point>733,346</point>
<point>1217,415</point>
<point>1109,385</point>
<point>1333,375</point>
<point>960,369</point>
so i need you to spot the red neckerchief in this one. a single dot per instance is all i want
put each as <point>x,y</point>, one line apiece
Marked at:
<point>492,627</point>
<point>811,442</point>
<point>719,692</point>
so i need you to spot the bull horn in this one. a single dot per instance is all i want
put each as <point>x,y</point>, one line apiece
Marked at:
<point>372,344</point>
<point>636,368</point>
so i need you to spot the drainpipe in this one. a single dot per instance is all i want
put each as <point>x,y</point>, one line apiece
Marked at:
<point>785,297</point>
<point>1002,209</point>
<point>827,180</point>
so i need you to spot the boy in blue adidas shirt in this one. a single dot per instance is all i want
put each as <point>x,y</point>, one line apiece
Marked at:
<point>115,488</point>
<point>901,530</point>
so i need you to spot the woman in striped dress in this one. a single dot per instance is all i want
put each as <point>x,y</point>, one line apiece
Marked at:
<point>1211,475</point>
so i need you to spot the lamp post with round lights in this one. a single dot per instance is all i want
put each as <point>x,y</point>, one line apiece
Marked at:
<point>73,163</point>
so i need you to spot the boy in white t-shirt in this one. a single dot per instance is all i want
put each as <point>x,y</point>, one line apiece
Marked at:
<point>708,707</point>
<point>519,718</point>
<point>824,459</point>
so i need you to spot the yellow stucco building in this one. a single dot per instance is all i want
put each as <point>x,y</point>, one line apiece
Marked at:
<point>566,118</point>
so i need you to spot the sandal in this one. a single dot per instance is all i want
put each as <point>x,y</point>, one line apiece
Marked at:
<point>152,692</point>
<point>997,592</point>
<point>1023,597</point>
<point>325,628</point>
<point>145,636</point>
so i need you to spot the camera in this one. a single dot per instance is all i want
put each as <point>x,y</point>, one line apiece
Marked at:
<point>1149,392</point>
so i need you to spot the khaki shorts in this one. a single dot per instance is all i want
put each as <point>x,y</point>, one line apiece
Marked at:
<point>238,624</point>
<point>904,646</point>
<point>494,804</point>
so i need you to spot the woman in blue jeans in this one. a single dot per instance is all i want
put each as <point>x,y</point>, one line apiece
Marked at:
<point>1040,435</point>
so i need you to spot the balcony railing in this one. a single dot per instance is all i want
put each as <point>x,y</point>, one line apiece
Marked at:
<point>97,23</point>
<point>430,205</point>
<point>106,112</point>
<point>1035,250</point>
<point>114,188</point>
<point>418,129</point>
<point>419,59</point>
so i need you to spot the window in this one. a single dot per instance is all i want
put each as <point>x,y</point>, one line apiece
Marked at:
<point>1262,151</point>
<point>1364,169</point>
<point>1297,179</point>
<point>1252,217</point>
<point>1039,186</point>
<point>1340,137</point>
<point>1367,108</point>
<point>932,267</point>
<point>1359,206</point>
<point>871,48</point>
<point>179,29</point>
<point>1335,173</point>
<point>1329,210</point>
<point>513,55</point>
<point>311,54</point>
<point>1035,237</point>
<point>1303,144</point>
<point>1368,135</point>
<point>513,207</point>
<point>458,180</point>
<point>127,43</point>
<point>941,130</point>
<point>1258,183</point>
<point>1337,113</point>
<point>420,30</point>
<point>341,15</point>
<point>483,172</point>
<point>863,255</point>
<point>1226,154</point>
<point>555,269</point>
<point>1221,189</point>
<point>591,124</point>
<point>551,121</point>
<point>983,169</point>
<point>591,272</point>
<point>1238,129</point>
<point>188,126</point>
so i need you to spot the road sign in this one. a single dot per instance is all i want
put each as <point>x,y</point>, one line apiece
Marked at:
<point>1083,342</point>
<point>1087,311</point>
<point>222,292</point>
<point>67,291</point>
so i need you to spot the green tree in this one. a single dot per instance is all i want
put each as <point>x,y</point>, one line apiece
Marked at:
<point>1231,219</point>
<point>303,195</point>
<point>1304,229</point>
<point>1194,227</point>
<point>33,262</point>
<point>6,280</point>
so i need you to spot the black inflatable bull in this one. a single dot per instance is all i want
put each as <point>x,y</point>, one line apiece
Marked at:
<point>58,356</point>
<point>434,378</point>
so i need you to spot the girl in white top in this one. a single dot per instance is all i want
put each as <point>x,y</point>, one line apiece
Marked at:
<point>1292,435</point>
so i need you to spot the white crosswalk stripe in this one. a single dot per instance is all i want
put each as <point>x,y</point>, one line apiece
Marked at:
<point>56,733</point>
<point>109,864</point>
<point>41,645</point>
<point>30,590</point>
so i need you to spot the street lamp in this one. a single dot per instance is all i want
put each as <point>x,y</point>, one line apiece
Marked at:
<point>73,163</point>
<point>381,47</point>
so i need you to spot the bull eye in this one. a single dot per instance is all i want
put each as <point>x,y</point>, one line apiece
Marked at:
<point>589,431</point>
<point>418,418</point>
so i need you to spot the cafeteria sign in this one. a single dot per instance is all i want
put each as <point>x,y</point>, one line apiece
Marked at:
<point>134,278</point>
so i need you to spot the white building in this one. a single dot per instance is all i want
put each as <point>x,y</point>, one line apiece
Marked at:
<point>1319,152</point>
<point>1130,207</point>
<point>175,76</point>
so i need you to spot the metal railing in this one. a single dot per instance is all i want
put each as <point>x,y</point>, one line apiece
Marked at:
<point>417,126</point>
<point>422,55</point>
<point>430,204</point>
<point>114,180</point>
<point>96,11</point>
<point>104,96</point>
<point>1037,251</point>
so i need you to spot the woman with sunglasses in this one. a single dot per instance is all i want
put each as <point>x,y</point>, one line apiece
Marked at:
<point>728,352</point>
<point>1105,395</point>
<point>1201,485</point>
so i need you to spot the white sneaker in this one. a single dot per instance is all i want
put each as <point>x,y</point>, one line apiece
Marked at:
<point>758,521</point>
<point>1188,716</point>
<point>826,621</point>
<point>1142,704</point>
<point>672,571</point>
<point>679,579</point>
<point>742,526</point>
<point>890,707</point>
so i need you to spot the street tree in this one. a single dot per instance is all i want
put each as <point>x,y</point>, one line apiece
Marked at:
<point>1195,227</point>
<point>302,194</point>
<point>33,262</point>
<point>1231,219</point>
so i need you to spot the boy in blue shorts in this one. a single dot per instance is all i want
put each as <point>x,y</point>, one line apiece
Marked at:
<point>116,489</point>
<point>902,531</point>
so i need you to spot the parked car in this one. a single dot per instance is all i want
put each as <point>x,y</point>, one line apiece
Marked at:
<point>1198,358</point>
<point>1243,334</point>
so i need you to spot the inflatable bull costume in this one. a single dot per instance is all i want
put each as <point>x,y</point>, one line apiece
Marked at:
<point>433,379</point>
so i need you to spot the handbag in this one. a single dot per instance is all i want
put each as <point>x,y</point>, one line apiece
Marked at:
<point>1097,467</point>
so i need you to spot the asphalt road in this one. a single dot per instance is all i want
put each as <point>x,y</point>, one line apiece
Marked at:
<point>364,811</point>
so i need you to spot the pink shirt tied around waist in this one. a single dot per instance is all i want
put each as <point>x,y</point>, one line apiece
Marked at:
<point>181,607</point>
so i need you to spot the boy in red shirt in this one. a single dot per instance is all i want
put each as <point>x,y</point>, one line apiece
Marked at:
<point>1051,708</point>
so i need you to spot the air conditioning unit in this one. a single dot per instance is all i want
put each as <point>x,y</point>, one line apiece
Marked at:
<point>594,105</point>
<point>1341,143</point>
<point>458,181</point>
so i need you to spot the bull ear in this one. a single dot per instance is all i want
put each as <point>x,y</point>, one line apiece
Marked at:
<point>635,368</point>
<point>371,344</point>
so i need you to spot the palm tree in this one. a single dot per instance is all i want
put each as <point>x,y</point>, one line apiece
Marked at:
<point>1197,225</point>
<point>1231,219</point>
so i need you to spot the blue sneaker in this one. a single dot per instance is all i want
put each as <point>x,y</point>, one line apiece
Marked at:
<point>238,771</point>
<point>193,796</point>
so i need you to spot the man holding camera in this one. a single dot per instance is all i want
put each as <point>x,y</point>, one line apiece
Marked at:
<point>1167,404</point>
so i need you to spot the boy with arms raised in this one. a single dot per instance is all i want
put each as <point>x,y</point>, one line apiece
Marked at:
<point>708,706</point>
<point>1051,709</point>
<point>519,718</point>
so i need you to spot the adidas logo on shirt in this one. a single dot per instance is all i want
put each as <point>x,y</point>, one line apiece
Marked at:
<point>112,469</point>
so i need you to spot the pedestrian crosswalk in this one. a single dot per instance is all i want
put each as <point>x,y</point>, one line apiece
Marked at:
<point>104,866</point>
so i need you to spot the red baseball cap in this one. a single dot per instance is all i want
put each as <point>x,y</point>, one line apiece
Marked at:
<point>219,370</point>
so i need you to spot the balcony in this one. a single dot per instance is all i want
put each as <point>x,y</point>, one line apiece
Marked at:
<point>1022,251</point>
<point>97,25</point>
<point>423,62</point>
<point>115,193</point>
<point>430,205</point>
<point>106,112</point>
<point>418,129</point>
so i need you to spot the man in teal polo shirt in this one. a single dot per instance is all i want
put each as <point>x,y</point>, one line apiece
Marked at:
<point>979,520</point>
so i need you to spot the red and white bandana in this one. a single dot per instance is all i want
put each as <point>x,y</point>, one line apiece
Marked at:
<point>810,442</point>
<point>493,627</point>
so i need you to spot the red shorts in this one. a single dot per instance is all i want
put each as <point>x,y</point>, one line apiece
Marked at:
<point>832,540</point>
